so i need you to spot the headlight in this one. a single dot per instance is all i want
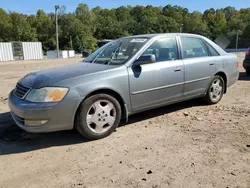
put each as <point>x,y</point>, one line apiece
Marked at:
<point>47,94</point>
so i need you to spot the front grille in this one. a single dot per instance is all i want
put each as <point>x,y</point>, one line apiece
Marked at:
<point>21,90</point>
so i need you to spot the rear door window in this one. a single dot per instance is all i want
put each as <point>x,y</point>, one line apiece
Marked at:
<point>193,48</point>
<point>212,51</point>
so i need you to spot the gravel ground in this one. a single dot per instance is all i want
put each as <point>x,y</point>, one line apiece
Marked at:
<point>182,145</point>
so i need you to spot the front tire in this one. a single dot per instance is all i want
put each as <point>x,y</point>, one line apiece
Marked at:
<point>215,91</point>
<point>98,116</point>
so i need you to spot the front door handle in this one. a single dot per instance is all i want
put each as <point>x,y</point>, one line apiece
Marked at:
<point>211,64</point>
<point>178,69</point>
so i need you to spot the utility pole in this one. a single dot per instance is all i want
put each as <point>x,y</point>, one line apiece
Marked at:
<point>237,39</point>
<point>181,26</point>
<point>71,44</point>
<point>57,40</point>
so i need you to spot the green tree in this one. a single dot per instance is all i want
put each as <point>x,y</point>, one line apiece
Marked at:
<point>45,29</point>
<point>195,24</point>
<point>73,27</point>
<point>216,22</point>
<point>86,16</point>
<point>85,27</point>
<point>5,26</point>
<point>21,30</point>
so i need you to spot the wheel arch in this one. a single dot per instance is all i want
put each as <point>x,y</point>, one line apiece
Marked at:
<point>224,76</point>
<point>110,92</point>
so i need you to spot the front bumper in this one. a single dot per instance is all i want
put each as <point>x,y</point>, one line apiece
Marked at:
<point>246,64</point>
<point>59,116</point>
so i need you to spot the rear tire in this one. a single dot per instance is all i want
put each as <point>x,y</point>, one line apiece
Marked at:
<point>98,116</point>
<point>215,91</point>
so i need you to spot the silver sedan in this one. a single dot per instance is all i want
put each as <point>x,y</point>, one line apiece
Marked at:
<point>124,77</point>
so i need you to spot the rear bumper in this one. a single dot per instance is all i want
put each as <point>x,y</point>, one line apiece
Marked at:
<point>232,79</point>
<point>58,116</point>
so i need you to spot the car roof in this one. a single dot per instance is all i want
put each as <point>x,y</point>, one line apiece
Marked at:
<point>150,36</point>
<point>163,34</point>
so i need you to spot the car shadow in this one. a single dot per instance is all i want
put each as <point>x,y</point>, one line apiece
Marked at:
<point>163,111</point>
<point>13,140</point>
<point>244,77</point>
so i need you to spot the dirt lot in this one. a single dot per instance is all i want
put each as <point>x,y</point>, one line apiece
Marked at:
<point>183,145</point>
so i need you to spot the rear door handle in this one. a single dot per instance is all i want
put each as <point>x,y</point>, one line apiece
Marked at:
<point>211,64</point>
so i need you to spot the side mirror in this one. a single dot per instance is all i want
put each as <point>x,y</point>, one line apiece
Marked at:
<point>145,59</point>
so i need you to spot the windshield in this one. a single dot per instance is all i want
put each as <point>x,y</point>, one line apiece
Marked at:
<point>117,52</point>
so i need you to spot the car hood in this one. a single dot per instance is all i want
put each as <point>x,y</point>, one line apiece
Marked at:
<point>52,76</point>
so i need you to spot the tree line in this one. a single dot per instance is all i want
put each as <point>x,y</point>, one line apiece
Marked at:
<point>82,28</point>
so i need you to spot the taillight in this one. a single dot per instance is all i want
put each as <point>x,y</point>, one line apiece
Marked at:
<point>247,53</point>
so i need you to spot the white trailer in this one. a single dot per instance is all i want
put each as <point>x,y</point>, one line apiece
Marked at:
<point>6,51</point>
<point>32,50</point>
